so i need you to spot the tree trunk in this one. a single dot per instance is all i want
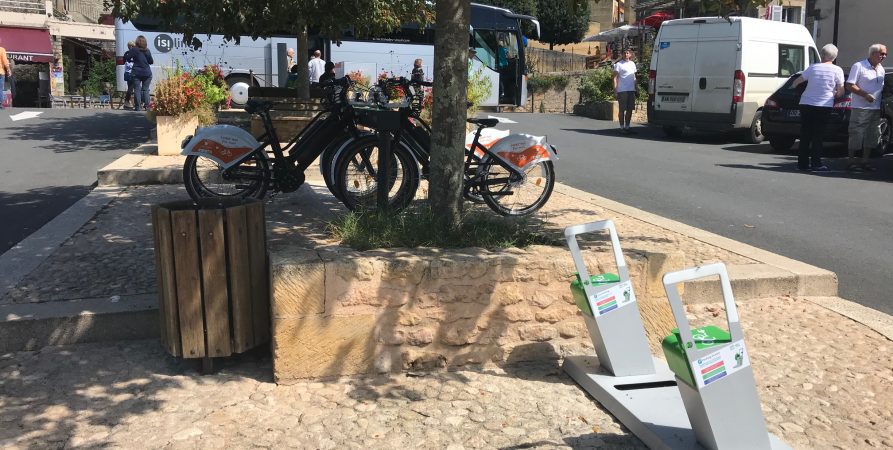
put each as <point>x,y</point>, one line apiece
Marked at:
<point>303,57</point>
<point>448,115</point>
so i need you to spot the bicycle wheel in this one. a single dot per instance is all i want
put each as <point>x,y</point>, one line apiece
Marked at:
<point>327,165</point>
<point>357,168</point>
<point>204,178</point>
<point>521,197</point>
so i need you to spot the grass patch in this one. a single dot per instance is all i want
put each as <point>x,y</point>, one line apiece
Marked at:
<point>416,227</point>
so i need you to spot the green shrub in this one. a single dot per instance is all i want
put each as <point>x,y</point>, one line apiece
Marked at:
<point>413,228</point>
<point>559,82</point>
<point>101,76</point>
<point>597,85</point>
<point>642,68</point>
<point>479,88</point>
<point>539,84</point>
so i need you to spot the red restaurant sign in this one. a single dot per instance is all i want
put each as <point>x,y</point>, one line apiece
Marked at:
<point>27,44</point>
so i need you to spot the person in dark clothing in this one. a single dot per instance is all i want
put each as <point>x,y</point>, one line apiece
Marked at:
<point>128,68</point>
<point>141,73</point>
<point>329,73</point>
<point>417,73</point>
<point>292,80</point>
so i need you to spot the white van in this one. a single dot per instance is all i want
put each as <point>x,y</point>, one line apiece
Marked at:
<point>714,74</point>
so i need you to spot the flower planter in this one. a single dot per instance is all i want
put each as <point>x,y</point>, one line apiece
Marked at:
<point>598,110</point>
<point>171,132</point>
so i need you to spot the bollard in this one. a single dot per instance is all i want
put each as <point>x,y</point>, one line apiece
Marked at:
<point>713,371</point>
<point>609,308</point>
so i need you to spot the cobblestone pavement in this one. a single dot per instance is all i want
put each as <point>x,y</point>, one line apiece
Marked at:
<point>112,254</point>
<point>818,386</point>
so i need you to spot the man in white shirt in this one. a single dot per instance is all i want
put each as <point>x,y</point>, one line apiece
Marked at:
<point>625,89</point>
<point>866,82</point>
<point>316,66</point>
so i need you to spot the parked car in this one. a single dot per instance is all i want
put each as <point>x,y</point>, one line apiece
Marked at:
<point>781,116</point>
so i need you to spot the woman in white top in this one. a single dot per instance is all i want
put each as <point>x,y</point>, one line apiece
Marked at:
<point>824,84</point>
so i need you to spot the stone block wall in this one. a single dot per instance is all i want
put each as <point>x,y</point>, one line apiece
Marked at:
<point>340,312</point>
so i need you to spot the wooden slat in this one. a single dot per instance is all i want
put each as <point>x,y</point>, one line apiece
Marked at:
<point>192,330</point>
<point>260,296</point>
<point>239,272</point>
<point>167,291</point>
<point>214,290</point>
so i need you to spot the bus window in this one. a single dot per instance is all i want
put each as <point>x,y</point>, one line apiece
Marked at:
<point>484,44</point>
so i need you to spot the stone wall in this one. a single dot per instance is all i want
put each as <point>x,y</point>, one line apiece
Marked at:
<point>340,312</point>
<point>553,101</point>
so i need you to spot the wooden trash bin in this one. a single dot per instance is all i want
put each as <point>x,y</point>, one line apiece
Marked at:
<point>212,268</point>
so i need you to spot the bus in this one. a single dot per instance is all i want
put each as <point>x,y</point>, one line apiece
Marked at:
<point>496,37</point>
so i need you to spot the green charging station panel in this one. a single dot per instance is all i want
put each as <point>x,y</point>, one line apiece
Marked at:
<point>704,337</point>
<point>596,280</point>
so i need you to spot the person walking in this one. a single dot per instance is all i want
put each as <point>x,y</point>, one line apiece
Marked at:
<point>5,71</point>
<point>128,69</point>
<point>316,66</point>
<point>824,84</point>
<point>625,89</point>
<point>141,73</point>
<point>866,82</point>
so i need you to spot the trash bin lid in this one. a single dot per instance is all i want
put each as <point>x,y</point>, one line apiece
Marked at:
<point>596,280</point>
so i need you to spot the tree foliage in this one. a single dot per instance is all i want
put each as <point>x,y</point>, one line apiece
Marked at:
<point>264,18</point>
<point>563,22</point>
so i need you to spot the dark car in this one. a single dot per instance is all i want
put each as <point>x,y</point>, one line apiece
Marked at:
<point>781,116</point>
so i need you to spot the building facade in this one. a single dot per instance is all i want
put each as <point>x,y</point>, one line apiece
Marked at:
<point>42,35</point>
<point>852,25</point>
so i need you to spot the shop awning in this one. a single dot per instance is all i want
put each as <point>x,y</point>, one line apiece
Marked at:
<point>27,44</point>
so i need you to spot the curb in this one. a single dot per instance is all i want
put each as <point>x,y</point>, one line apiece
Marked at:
<point>31,326</point>
<point>139,168</point>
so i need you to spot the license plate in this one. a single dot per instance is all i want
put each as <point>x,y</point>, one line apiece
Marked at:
<point>672,98</point>
<point>793,113</point>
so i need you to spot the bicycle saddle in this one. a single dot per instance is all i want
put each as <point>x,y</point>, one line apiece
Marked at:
<point>486,123</point>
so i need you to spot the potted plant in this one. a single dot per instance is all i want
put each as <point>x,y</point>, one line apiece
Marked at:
<point>183,101</point>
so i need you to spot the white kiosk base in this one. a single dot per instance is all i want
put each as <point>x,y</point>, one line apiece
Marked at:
<point>648,405</point>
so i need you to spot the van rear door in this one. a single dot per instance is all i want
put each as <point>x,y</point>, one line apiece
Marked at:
<point>676,50</point>
<point>714,67</point>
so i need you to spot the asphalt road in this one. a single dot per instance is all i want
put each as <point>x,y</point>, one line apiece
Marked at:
<point>838,221</point>
<point>49,162</point>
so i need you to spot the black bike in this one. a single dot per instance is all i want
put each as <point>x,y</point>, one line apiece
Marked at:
<point>270,166</point>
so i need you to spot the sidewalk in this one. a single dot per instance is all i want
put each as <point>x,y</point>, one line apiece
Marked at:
<point>824,366</point>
